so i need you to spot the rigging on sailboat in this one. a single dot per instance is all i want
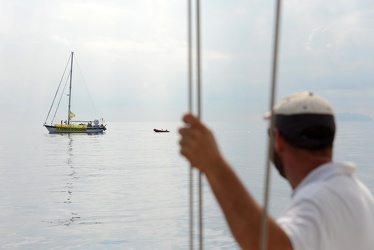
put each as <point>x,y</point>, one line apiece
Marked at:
<point>70,125</point>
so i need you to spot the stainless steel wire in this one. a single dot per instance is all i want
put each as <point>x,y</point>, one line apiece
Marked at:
<point>274,70</point>
<point>190,108</point>
<point>264,222</point>
<point>198,106</point>
<point>54,98</point>
<point>198,72</point>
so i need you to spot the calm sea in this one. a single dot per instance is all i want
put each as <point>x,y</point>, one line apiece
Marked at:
<point>128,188</point>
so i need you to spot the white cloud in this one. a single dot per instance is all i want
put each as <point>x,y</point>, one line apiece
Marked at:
<point>133,54</point>
<point>321,38</point>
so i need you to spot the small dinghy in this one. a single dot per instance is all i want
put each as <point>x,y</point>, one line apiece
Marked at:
<point>160,130</point>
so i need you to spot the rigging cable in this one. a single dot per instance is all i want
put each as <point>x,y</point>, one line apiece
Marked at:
<point>54,98</point>
<point>62,93</point>
<point>264,223</point>
<point>198,82</point>
<point>190,74</point>
<point>94,110</point>
<point>198,64</point>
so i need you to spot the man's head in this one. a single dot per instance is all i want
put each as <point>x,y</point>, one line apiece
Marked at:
<point>305,121</point>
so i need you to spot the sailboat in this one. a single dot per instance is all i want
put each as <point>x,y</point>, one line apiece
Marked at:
<point>70,125</point>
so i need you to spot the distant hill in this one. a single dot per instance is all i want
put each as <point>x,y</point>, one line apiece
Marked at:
<point>352,117</point>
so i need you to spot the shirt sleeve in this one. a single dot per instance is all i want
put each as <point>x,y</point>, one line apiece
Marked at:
<point>302,224</point>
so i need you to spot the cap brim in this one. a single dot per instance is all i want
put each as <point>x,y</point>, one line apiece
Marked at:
<point>267,115</point>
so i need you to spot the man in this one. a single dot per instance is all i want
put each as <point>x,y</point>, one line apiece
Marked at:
<point>330,208</point>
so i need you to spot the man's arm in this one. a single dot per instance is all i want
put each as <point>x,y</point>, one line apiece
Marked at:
<point>242,213</point>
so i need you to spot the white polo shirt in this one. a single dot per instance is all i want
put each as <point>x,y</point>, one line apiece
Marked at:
<point>330,210</point>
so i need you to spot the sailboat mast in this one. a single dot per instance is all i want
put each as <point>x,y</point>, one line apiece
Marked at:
<point>71,78</point>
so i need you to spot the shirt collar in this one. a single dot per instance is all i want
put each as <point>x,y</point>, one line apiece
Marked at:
<point>325,171</point>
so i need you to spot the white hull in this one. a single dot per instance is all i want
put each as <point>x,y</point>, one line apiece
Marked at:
<point>90,130</point>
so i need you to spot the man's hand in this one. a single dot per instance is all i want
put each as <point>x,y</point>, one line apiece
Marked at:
<point>198,144</point>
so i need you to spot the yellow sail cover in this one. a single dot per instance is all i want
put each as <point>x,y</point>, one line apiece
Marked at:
<point>71,127</point>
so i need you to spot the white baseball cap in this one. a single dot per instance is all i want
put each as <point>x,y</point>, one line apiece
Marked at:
<point>305,120</point>
<point>301,103</point>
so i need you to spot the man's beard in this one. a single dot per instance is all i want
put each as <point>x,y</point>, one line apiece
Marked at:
<point>278,163</point>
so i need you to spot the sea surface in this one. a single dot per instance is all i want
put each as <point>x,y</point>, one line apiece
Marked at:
<point>129,188</point>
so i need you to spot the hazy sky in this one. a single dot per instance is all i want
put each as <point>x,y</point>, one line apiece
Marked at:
<point>133,56</point>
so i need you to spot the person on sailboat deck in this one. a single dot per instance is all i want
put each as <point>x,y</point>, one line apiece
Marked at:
<point>330,207</point>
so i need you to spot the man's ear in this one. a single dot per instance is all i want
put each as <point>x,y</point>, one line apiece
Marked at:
<point>278,141</point>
